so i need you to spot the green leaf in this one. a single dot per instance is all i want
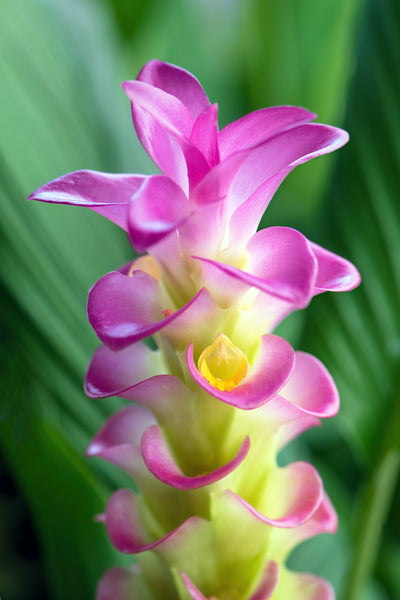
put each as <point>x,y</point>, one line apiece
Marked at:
<point>358,335</point>
<point>300,53</point>
<point>63,109</point>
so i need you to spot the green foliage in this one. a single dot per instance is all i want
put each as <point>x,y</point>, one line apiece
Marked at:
<point>358,334</point>
<point>61,109</point>
<point>300,53</point>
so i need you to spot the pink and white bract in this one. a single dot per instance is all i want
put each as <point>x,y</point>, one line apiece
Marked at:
<point>216,517</point>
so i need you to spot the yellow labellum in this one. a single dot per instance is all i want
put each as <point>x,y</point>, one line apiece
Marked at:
<point>223,364</point>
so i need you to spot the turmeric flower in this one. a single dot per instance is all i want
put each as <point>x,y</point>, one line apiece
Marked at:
<point>212,405</point>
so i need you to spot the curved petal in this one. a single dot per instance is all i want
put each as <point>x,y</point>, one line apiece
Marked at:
<point>194,593</point>
<point>164,125</point>
<point>335,274</point>
<point>205,134</point>
<point>258,126</point>
<point>178,82</point>
<point>121,309</point>
<point>158,207</point>
<point>242,173</point>
<point>292,430</point>
<point>159,461</point>
<point>273,367</point>
<point>187,324</point>
<point>216,184</point>
<point>268,583</point>
<point>292,496</point>
<point>118,441</point>
<point>123,374</point>
<point>110,372</point>
<point>244,221</point>
<point>311,387</point>
<point>106,193</point>
<point>280,263</point>
<point>122,584</point>
<point>284,150</point>
<point>162,394</point>
<point>125,309</point>
<point>264,591</point>
<point>324,520</point>
<point>126,426</point>
<point>168,110</point>
<point>126,528</point>
<point>304,586</point>
<point>284,418</point>
<point>203,231</point>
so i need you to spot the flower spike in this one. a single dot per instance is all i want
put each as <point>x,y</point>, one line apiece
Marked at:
<point>215,516</point>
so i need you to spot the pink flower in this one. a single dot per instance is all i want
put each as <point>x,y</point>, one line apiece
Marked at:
<point>216,517</point>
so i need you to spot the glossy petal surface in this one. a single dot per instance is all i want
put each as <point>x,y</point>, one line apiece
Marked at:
<point>311,387</point>
<point>160,462</point>
<point>106,193</point>
<point>335,273</point>
<point>158,207</point>
<point>273,367</point>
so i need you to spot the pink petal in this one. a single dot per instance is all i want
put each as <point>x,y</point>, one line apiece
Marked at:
<point>194,593</point>
<point>106,193</point>
<point>292,430</point>
<point>168,256</point>
<point>177,82</point>
<point>268,583</point>
<point>123,310</point>
<point>158,207</point>
<point>280,263</point>
<point>118,442</point>
<point>126,426</point>
<point>283,151</point>
<point>285,419</point>
<point>242,173</point>
<point>124,373</point>
<point>303,586</point>
<point>126,528</point>
<point>216,184</point>
<point>205,134</point>
<point>129,374</point>
<point>324,520</point>
<point>299,490</point>
<point>258,126</point>
<point>110,372</point>
<point>203,231</point>
<point>245,219</point>
<point>335,273</point>
<point>187,324</point>
<point>159,461</point>
<point>118,584</point>
<point>264,590</point>
<point>164,125</point>
<point>273,367</point>
<point>311,387</point>
<point>166,109</point>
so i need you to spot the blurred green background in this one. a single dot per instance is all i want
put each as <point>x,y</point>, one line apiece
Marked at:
<point>62,109</point>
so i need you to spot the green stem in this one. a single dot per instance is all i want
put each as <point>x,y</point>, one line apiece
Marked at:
<point>376,503</point>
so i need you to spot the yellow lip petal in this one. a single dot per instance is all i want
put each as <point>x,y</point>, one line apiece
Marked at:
<point>223,364</point>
